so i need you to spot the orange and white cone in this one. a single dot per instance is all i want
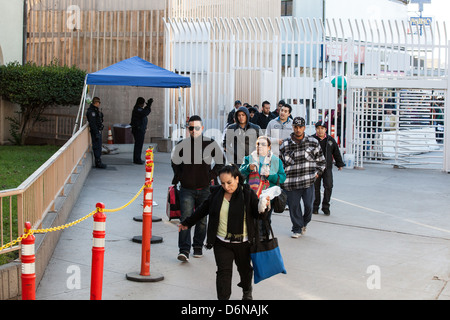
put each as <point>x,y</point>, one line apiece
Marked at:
<point>110,137</point>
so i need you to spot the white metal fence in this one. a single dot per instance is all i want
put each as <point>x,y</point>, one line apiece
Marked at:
<point>342,72</point>
<point>403,127</point>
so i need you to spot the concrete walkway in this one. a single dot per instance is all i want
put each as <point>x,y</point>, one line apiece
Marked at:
<point>388,237</point>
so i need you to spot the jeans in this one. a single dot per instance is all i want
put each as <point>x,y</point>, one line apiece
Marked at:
<point>190,199</point>
<point>300,220</point>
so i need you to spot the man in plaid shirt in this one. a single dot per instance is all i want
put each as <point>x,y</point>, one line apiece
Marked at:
<point>303,163</point>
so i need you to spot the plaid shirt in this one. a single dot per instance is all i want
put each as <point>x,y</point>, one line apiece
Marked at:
<point>302,161</point>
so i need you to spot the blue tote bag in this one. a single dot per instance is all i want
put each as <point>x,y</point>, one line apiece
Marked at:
<point>266,256</point>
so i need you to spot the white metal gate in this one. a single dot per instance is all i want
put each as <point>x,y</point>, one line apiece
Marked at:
<point>326,71</point>
<point>401,127</point>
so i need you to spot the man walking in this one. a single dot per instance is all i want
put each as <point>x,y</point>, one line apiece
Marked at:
<point>240,137</point>
<point>95,119</point>
<point>303,163</point>
<point>192,159</point>
<point>265,116</point>
<point>231,118</point>
<point>330,150</point>
<point>280,128</point>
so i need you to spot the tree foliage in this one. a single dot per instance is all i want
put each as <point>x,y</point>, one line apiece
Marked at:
<point>35,88</point>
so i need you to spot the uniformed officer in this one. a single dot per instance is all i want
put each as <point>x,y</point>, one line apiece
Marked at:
<point>139,126</point>
<point>95,118</point>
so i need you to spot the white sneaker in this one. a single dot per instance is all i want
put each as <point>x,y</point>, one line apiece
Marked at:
<point>183,257</point>
<point>296,235</point>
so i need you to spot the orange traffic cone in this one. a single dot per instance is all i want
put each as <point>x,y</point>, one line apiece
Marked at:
<point>110,137</point>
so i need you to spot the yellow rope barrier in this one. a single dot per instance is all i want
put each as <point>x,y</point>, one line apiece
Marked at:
<point>24,236</point>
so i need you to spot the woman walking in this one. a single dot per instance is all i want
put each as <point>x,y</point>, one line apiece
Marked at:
<point>232,209</point>
<point>263,166</point>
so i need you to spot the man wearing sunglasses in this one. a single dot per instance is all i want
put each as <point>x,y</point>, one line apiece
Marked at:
<point>196,161</point>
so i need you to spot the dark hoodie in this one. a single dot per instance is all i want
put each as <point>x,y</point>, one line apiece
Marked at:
<point>240,141</point>
<point>330,151</point>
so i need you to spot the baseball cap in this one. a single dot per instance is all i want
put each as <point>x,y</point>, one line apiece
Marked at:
<point>321,124</point>
<point>298,121</point>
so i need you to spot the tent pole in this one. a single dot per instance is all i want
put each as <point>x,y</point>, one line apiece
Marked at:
<point>183,122</point>
<point>78,121</point>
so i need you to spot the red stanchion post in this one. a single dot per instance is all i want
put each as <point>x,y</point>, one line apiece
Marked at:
<point>98,252</point>
<point>28,276</point>
<point>146,230</point>
<point>145,275</point>
<point>149,164</point>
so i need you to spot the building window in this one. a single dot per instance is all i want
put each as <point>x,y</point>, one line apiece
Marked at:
<point>286,7</point>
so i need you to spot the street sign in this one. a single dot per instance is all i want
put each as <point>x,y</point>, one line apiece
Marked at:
<point>421,21</point>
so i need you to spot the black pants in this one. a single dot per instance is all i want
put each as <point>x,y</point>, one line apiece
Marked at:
<point>97,146</point>
<point>225,253</point>
<point>327,178</point>
<point>138,144</point>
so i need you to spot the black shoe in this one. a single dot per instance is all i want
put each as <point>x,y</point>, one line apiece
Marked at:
<point>326,211</point>
<point>247,295</point>
<point>315,211</point>
<point>198,252</point>
<point>139,162</point>
<point>100,165</point>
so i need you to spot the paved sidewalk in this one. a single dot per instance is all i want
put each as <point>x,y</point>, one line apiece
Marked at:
<point>388,237</point>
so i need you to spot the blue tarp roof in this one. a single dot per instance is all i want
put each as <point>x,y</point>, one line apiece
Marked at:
<point>137,72</point>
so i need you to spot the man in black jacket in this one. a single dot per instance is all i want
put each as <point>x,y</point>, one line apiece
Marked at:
<point>95,119</point>
<point>230,118</point>
<point>192,159</point>
<point>330,150</point>
<point>139,126</point>
<point>240,137</point>
<point>265,116</point>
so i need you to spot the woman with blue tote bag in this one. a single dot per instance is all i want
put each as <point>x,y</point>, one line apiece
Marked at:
<point>233,209</point>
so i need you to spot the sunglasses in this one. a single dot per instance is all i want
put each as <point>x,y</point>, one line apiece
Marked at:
<point>197,128</point>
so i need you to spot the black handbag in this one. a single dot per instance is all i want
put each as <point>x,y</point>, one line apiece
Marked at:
<point>279,202</point>
<point>265,255</point>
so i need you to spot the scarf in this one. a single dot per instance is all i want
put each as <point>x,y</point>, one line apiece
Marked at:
<point>256,161</point>
<point>236,214</point>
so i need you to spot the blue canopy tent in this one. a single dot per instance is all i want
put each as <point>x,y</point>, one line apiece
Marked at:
<point>131,72</point>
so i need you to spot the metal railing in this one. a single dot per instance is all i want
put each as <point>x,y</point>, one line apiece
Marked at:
<point>54,126</point>
<point>36,196</point>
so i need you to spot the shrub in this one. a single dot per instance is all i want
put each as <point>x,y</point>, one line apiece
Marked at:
<point>35,88</point>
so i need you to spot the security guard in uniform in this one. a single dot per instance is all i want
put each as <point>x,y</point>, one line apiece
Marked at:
<point>95,119</point>
<point>139,126</point>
